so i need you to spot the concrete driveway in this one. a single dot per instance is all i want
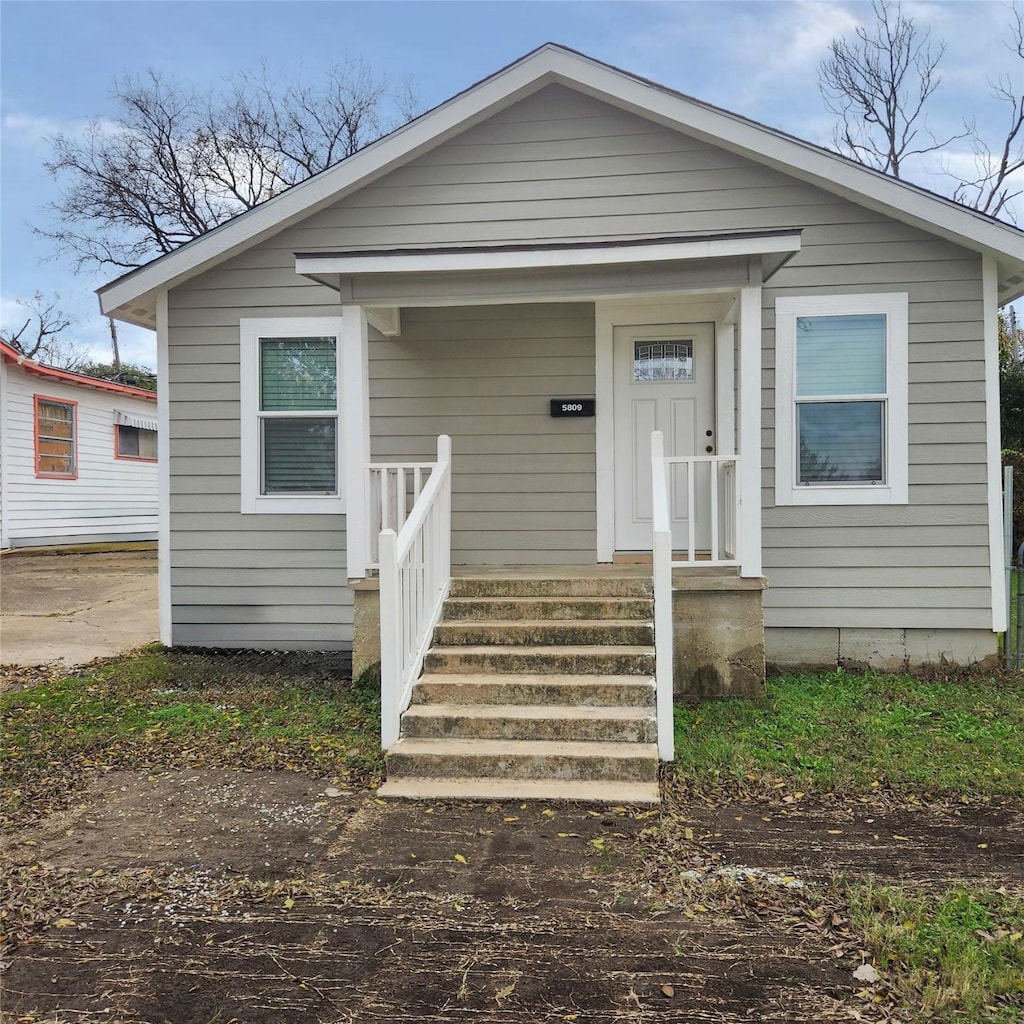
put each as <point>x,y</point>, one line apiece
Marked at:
<point>74,607</point>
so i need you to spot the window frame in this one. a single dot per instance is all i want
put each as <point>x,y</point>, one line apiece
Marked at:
<point>121,457</point>
<point>895,449</point>
<point>251,331</point>
<point>73,405</point>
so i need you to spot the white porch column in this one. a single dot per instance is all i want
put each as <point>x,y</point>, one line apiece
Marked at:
<point>749,410</point>
<point>355,418</point>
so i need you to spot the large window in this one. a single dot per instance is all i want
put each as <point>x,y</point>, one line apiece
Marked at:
<point>290,414</point>
<point>56,438</point>
<point>841,400</point>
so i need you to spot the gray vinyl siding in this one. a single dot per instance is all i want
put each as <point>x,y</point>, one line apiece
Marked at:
<point>266,581</point>
<point>523,484</point>
<point>561,166</point>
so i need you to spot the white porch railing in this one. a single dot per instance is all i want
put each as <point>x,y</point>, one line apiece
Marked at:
<point>723,500</point>
<point>415,574</point>
<point>661,557</point>
<point>392,489</point>
<point>723,506</point>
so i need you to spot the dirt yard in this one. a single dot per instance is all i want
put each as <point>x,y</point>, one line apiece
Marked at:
<point>72,608</point>
<point>211,895</point>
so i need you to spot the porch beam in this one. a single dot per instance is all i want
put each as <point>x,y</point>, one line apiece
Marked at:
<point>539,257</point>
<point>749,409</point>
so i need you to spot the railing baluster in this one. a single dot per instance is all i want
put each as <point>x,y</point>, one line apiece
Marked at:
<point>714,510</point>
<point>691,526</point>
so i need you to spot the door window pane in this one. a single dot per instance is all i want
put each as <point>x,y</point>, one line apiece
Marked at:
<point>840,355</point>
<point>663,360</point>
<point>300,456</point>
<point>840,442</point>
<point>298,374</point>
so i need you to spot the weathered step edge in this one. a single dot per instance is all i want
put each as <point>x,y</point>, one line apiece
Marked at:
<point>547,790</point>
<point>531,722</point>
<point>533,688</point>
<point>522,759</point>
<point>458,609</point>
<point>619,660</point>
<point>544,632</point>
<point>568,586</point>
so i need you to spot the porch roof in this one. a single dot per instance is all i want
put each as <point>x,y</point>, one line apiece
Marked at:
<point>569,271</point>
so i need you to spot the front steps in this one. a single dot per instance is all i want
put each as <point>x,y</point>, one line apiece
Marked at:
<point>534,688</point>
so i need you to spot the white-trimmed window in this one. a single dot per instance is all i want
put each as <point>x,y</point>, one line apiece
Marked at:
<point>841,400</point>
<point>291,422</point>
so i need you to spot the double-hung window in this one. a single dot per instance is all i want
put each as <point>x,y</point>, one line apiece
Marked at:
<point>56,438</point>
<point>841,400</point>
<point>291,455</point>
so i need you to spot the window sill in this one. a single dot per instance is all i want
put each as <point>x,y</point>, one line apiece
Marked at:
<point>294,504</point>
<point>878,495</point>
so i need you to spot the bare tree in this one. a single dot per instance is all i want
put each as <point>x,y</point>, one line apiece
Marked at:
<point>994,187</point>
<point>878,85</point>
<point>39,338</point>
<point>172,163</point>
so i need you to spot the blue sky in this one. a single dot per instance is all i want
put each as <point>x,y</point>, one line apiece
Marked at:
<point>755,58</point>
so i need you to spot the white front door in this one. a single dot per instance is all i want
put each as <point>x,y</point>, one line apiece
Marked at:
<point>664,380</point>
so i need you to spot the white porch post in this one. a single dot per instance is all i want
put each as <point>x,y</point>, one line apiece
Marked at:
<point>749,410</point>
<point>355,417</point>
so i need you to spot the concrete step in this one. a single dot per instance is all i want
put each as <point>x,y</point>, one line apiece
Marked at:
<point>559,586</point>
<point>546,632</point>
<point>578,690</point>
<point>619,660</point>
<point>531,722</point>
<point>577,790</point>
<point>522,759</point>
<point>534,608</point>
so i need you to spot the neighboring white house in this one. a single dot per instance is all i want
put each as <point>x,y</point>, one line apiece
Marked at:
<point>78,457</point>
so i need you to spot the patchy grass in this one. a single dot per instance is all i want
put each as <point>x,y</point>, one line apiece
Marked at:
<point>843,732</point>
<point>164,709</point>
<point>954,955</point>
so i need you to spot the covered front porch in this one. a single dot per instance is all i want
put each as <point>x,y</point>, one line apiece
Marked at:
<point>629,450</point>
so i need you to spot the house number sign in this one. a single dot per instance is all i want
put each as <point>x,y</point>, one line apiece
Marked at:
<point>572,406</point>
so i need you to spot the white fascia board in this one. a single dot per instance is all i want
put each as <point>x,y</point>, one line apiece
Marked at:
<point>539,259</point>
<point>547,65</point>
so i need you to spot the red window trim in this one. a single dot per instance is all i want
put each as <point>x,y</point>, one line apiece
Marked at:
<point>117,446</point>
<point>36,399</point>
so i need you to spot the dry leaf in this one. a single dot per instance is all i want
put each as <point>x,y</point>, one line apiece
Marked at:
<point>668,990</point>
<point>461,859</point>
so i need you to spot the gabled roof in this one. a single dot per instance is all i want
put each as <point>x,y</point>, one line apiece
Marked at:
<point>132,297</point>
<point>12,355</point>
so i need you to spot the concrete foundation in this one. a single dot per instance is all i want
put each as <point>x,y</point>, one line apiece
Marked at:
<point>366,628</point>
<point>718,636</point>
<point>888,650</point>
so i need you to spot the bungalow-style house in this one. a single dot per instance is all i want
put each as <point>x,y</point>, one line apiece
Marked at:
<point>78,457</point>
<point>572,391</point>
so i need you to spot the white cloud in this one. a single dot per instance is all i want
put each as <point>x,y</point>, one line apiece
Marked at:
<point>36,129</point>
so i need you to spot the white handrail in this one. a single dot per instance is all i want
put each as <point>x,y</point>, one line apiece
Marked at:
<point>661,557</point>
<point>415,576</point>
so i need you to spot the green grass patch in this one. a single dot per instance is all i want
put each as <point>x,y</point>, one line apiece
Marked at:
<point>846,732</point>
<point>167,709</point>
<point>956,955</point>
